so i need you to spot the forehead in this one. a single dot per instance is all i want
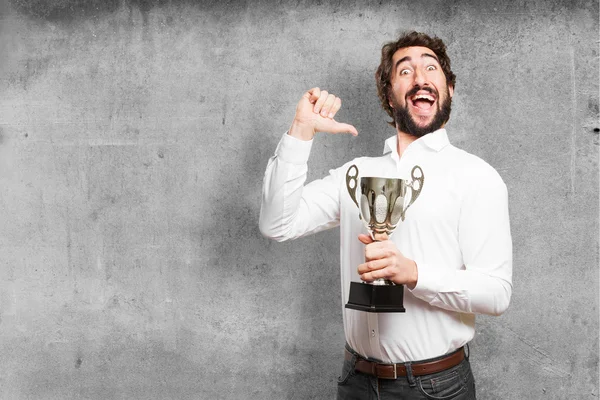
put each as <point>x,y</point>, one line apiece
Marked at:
<point>414,52</point>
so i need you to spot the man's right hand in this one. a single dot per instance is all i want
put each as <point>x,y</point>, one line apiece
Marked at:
<point>315,112</point>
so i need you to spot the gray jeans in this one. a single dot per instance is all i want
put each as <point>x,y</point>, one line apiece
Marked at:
<point>455,383</point>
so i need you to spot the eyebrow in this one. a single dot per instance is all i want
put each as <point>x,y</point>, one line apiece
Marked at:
<point>407,58</point>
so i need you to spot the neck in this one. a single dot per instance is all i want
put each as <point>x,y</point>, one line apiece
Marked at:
<point>404,139</point>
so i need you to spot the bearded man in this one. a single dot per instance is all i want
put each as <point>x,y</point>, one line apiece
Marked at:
<point>453,251</point>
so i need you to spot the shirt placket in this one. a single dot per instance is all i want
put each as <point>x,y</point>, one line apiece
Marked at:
<point>374,337</point>
<point>405,163</point>
<point>402,165</point>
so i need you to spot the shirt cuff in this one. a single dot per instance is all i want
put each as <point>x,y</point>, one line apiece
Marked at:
<point>428,285</point>
<point>294,151</point>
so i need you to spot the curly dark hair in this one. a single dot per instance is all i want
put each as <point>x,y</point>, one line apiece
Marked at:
<point>383,76</point>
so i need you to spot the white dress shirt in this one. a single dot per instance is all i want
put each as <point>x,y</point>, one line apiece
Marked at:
<point>457,231</point>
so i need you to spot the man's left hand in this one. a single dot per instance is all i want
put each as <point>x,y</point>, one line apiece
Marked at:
<point>384,260</point>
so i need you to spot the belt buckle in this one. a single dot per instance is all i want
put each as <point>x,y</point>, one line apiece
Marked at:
<point>395,372</point>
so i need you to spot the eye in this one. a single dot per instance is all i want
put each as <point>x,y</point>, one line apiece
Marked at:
<point>431,68</point>
<point>405,71</point>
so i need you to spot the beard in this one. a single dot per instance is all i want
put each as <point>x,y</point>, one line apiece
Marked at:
<point>406,123</point>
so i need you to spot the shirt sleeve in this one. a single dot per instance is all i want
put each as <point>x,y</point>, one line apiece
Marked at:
<point>290,209</point>
<point>484,284</point>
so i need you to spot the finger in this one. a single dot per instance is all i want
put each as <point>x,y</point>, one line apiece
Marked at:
<point>378,274</point>
<point>313,95</point>
<point>335,108</point>
<point>369,276</point>
<point>365,239</point>
<point>380,250</point>
<point>379,254</point>
<point>322,97</point>
<point>371,266</point>
<point>327,105</point>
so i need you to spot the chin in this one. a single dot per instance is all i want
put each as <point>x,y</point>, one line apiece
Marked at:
<point>418,125</point>
<point>424,122</point>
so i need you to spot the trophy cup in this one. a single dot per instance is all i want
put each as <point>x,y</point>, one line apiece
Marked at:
<point>382,203</point>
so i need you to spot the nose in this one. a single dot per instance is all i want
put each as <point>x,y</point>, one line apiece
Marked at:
<point>419,79</point>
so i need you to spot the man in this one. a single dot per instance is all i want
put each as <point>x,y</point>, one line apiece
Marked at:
<point>453,251</point>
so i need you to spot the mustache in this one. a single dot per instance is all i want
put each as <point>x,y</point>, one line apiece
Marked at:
<point>415,89</point>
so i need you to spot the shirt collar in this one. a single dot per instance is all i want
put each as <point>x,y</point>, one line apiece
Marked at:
<point>436,141</point>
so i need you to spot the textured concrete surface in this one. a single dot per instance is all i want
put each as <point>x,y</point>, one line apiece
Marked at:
<point>133,140</point>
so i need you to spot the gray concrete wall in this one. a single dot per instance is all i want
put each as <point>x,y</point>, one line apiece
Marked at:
<point>133,140</point>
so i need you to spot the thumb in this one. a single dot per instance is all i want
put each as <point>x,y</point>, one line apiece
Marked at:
<point>347,128</point>
<point>332,126</point>
<point>365,239</point>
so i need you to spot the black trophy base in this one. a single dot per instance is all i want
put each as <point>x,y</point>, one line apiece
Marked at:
<point>376,298</point>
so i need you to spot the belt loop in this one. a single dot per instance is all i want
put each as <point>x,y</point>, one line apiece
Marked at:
<point>467,352</point>
<point>409,374</point>
<point>354,358</point>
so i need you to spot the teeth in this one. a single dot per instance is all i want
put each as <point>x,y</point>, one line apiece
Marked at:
<point>423,96</point>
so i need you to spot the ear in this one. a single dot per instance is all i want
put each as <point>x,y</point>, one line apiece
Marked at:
<point>390,96</point>
<point>451,90</point>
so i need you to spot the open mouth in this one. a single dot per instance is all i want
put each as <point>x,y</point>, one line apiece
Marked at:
<point>423,100</point>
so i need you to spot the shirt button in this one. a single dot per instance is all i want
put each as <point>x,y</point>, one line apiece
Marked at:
<point>373,333</point>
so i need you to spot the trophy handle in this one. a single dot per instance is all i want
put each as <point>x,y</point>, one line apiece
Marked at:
<point>352,183</point>
<point>417,180</point>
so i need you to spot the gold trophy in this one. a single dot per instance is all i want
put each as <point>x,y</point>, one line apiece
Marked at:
<point>382,203</point>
